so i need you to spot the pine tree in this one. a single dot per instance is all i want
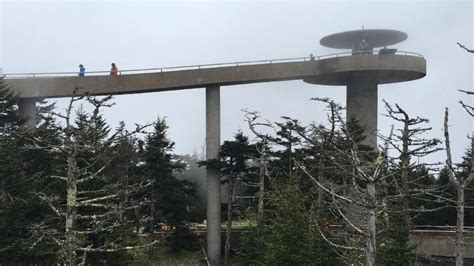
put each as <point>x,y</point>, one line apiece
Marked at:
<point>10,119</point>
<point>394,247</point>
<point>10,123</point>
<point>288,235</point>
<point>196,175</point>
<point>288,138</point>
<point>170,197</point>
<point>19,172</point>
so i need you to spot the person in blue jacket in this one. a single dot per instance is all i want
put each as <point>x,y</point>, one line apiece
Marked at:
<point>82,70</point>
<point>363,47</point>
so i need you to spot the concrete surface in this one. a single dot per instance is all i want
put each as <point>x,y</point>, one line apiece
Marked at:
<point>382,68</point>
<point>374,37</point>
<point>362,104</point>
<point>27,109</point>
<point>441,243</point>
<point>331,71</point>
<point>213,139</point>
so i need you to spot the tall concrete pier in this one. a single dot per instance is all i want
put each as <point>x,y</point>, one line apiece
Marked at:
<point>360,72</point>
<point>361,104</point>
<point>27,109</point>
<point>213,141</point>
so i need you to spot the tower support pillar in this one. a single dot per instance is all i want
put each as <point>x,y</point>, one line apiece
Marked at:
<point>27,109</point>
<point>362,105</point>
<point>213,176</point>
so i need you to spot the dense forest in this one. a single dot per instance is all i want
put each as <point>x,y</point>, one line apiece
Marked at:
<point>76,191</point>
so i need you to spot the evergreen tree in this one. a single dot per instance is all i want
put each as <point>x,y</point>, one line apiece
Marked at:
<point>447,216</point>
<point>288,142</point>
<point>126,160</point>
<point>170,197</point>
<point>234,165</point>
<point>20,168</point>
<point>12,184</point>
<point>10,123</point>
<point>394,247</point>
<point>10,119</point>
<point>288,235</point>
<point>197,176</point>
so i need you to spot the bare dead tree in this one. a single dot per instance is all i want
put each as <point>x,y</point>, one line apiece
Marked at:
<point>262,146</point>
<point>326,138</point>
<point>87,209</point>
<point>410,143</point>
<point>456,178</point>
<point>363,198</point>
<point>460,182</point>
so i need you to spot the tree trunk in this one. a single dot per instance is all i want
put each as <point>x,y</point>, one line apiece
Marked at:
<point>319,200</point>
<point>124,191</point>
<point>152,205</point>
<point>3,194</point>
<point>386,218</point>
<point>137,218</point>
<point>228,234</point>
<point>260,197</point>
<point>70,236</point>
<point>262,183</point>
<point>370,248</point>
<point>405,171</point>
<point>460,226</point>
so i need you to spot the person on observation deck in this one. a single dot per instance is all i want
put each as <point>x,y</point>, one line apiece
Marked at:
<point>82,70</point>
<point>114,70</point>
<point>363,47</point>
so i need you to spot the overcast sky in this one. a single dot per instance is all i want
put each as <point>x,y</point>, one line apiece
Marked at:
<point>56,36</point>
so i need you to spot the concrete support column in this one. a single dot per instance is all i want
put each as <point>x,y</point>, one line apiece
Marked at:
<point>362,104</point>
<point>213,140</point>
<point>27,109</point>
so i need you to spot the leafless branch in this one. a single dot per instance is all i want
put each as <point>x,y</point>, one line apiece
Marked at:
<point>326,189</point>
<point>107,250</point>
<point>205,256</point>
<point>49,200</point>
<point>465,48</point>
<point>345,218</point>
<point>337,245</point>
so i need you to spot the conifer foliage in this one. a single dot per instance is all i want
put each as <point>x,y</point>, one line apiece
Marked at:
<point>87,199</point>
<point>170,198</point>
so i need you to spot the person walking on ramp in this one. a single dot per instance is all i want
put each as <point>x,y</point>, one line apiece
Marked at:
<point>114,70</point>
<point>82,70</point>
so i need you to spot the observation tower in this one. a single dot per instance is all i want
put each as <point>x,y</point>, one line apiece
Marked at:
<point>361,70</point>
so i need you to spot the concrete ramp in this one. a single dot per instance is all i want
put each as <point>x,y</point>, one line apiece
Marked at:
<point>441,243</point>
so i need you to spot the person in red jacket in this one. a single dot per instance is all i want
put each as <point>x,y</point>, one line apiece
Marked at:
<point>325,225</point>
<point>114,70</point>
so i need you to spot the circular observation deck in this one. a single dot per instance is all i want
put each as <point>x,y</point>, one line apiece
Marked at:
<point>374,37</point>
<point>381,68</point>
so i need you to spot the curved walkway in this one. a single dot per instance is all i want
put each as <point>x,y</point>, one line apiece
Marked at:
<point>62,84</point>
<point>190,67</point>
